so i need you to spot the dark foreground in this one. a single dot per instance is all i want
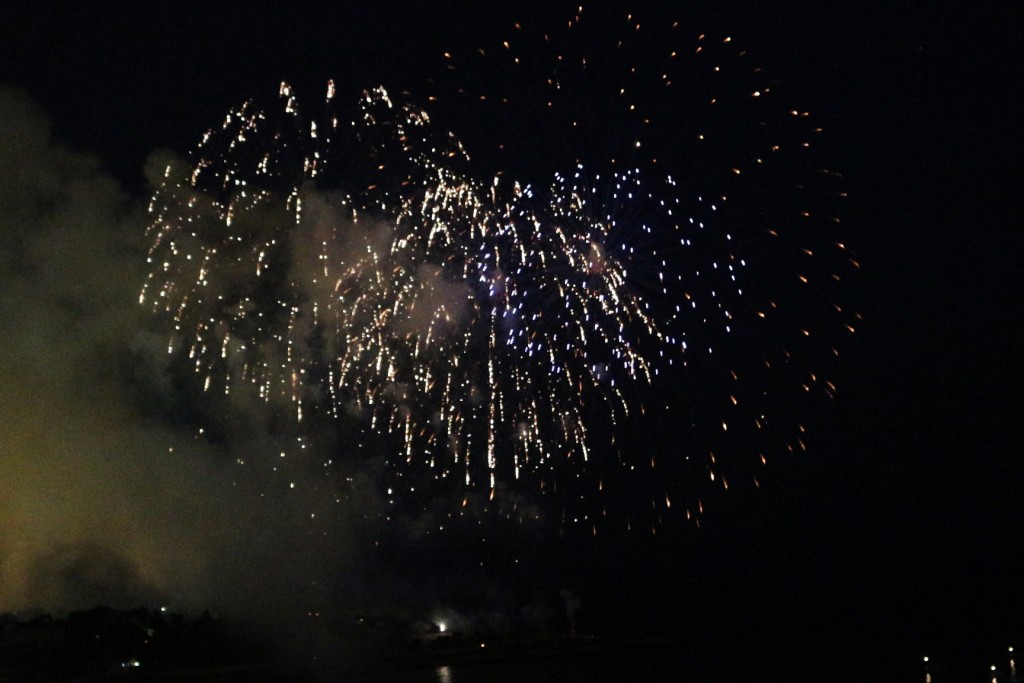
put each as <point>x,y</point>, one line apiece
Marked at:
<point>103,644</point>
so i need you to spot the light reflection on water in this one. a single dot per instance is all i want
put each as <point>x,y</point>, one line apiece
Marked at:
<point>688,664</point>
<point>616,667</point>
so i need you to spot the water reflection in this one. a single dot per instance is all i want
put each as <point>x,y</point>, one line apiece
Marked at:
<point>444,674</point>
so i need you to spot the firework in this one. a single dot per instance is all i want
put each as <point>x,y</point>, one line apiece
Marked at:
<point>371,267</point>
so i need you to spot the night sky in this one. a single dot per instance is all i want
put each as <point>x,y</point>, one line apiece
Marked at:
<point>898,529</point>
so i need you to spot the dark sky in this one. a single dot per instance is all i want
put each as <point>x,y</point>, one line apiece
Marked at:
<point>907,513</point>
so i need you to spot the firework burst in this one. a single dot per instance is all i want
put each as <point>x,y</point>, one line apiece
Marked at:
<point>371,267</point>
